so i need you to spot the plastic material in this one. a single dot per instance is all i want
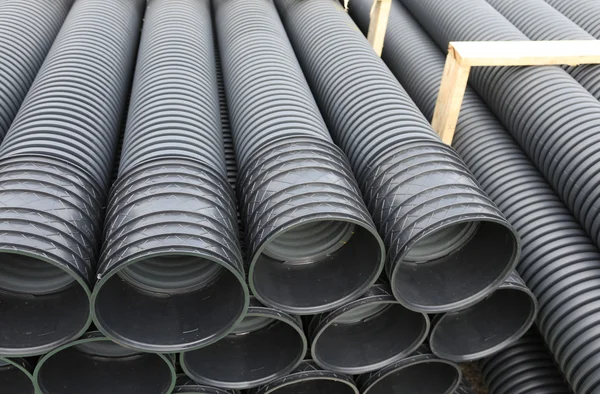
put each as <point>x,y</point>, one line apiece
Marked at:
<point>435,220</point>
<point>312,245</point>
<point>367,334</point>
<point>185,385</point>
<point>96,365</point>
<point>16,376</point>
<point>586,13</point>
<point>268,344</point>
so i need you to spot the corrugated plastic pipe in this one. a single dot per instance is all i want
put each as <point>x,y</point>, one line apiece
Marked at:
<point>268,344</point>
<point>27,30</point>
<point>308,377</point>
<point>185,385</point>
<point>95,365</point>
<point>539,21</point>
<point>559,263</point>
<point>525,367</point>
<point>55,165</point>
<point>436,221</point>
<point>421,372</point>
<point>16,376</point>
<point>312,245</point>
<point>586,13</point>
<point>171,275</point>
<point>553,118</point>
<point>366,334</point>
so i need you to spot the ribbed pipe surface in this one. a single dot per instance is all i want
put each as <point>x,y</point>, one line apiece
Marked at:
<point>559,262</point>
<point>586,13</point>
<point>553,118</point>
<point>525,367</point>
<point>434,218</point>
<point>27,30</point>
<point>307,228</point>
<point>539,21</point>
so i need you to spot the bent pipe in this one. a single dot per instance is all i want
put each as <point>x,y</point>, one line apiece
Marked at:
<point>185,385</point>
<point>93,364</point>
<point>562,142</point>
<point>366,334</point>
<point>27,30</point>
<point>559,263</point>
<point>586,13</point>
<point>433,216</point>
<point>421,372</point>
<point>487,327</point>
<point>523,368</point>
<point>312,245</point>
<point>539,21</point>
<point>16,376</point>
<point>268,344</point>
<point>308,377</point>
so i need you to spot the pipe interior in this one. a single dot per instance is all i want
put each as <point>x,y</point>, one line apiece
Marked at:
<point>481,257</point>
<point>368,338</point>
<point>315,386</point>
<point>503,316</point>
<point>41,300</point>
<point>13,380</point>
<point>429,377</point>
<point>92,374</point>
<point>139,308</point>
<point>313,285</point>
<point>262,349</point>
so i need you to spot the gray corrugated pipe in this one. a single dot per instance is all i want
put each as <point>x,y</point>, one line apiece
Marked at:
<point>525,367</point>
<point>539,21</point>
<point>366,334</point>
<point>27,30</point>
<point>553,118</point>
<point>95,365</point>
<point>436,221</point>
<point>586,13</point>
<point>420,373</point>
<point>559,262</point>
<point>55,165</point>
<point>16,376</point>
<point>308,377</point>
<point>312,245</point>
<point>171,275</point>
<point>185,385</point>
<point>266,345</point>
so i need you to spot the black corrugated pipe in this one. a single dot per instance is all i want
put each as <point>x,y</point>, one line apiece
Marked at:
<point>95,365</point>
<point>421,372</point>
<point>539,21</point>
<point>171,275</point>
<point>525,367</point>
<point>436,221</point>
<point>309,378</point>
<point>266,345</point>
<point>185,385</point>
<point>559,262</point>
<point>312,245</point>
<point>55,165</point>
<point>27,30</point>
<point>586,13</point>
<point>16,376</point>
<point>366,334</point>
<point>553,118</point>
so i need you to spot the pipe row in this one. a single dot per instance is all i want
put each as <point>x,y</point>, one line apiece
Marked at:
<point>586,13</point>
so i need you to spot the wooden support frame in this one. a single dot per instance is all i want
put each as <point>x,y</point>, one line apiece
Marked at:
<point>466,54</point>
<point>380,14</point>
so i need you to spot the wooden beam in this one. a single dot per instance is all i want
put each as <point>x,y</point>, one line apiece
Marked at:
<point>380,13</point>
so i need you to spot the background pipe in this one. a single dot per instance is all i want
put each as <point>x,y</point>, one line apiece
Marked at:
<point>16,376</point>
<point>185,385</point>
<point>586,13</point>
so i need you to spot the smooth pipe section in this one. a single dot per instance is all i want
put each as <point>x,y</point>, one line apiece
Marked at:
<point>586,13</point>
<point>16,376</point>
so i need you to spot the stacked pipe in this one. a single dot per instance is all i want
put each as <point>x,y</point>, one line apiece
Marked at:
<point>586,13</point>
<point>55,165</point>
<point>185,385</point>
<point>558,260</point>
<point>16,376</point>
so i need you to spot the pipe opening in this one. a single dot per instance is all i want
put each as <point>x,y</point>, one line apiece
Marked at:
<point>484,328</point>
<point>315,386</point>
<point>97,374</point>
<point>369,337</point>
<point>261,350</point>
<point>477,262</point>
<point>322,274</point>
<point>13,380</point>
<point>424,377</point>
<point>40,299</point>
<point>169,303</point>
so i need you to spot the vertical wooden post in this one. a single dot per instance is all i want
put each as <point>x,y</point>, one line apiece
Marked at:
<point>380,13</point>
<point>450,97</point>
